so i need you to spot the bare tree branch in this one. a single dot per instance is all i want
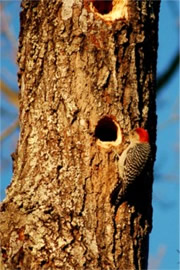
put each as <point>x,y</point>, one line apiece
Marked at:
<point>166,76</point>
<point>9,130</point>
<point>11,95</point>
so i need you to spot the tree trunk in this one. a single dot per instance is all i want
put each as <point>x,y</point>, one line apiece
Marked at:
<point>87,75</point>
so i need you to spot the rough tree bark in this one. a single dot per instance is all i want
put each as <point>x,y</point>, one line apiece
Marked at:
<point>87,74</point>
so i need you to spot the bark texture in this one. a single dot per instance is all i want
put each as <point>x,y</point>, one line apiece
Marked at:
<point>78,75</point>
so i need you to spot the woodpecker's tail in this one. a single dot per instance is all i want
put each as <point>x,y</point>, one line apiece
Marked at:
<point>115,197</point>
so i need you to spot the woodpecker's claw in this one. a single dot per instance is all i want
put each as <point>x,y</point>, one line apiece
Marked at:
<point>116,155</point>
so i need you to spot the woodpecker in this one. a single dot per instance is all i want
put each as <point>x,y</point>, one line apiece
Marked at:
<point>132,161</point>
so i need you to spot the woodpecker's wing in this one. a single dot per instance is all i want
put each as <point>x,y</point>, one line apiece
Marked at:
<point>135,161</point>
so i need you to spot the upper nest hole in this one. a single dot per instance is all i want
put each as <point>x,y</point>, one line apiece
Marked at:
<point>103,7</point>
<point>106,130</point>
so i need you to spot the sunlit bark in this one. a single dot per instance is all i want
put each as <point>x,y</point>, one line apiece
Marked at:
<point>81,75</point>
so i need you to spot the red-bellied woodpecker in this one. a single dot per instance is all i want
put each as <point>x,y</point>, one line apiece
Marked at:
<point>132,160</point>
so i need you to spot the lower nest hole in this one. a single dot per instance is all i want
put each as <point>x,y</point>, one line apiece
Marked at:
<point>106,130</point>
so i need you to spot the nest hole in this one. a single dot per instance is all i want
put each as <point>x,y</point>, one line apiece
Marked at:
<point>103,7</point>
<point>106,130</point>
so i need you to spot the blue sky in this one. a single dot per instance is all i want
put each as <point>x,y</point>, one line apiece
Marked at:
<point>165,234</point>
<point>164,239</point>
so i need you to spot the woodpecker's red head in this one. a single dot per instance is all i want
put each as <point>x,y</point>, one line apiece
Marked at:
<point>143,134</point>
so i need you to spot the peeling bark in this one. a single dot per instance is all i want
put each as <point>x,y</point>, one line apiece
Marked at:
<point>78,65</point>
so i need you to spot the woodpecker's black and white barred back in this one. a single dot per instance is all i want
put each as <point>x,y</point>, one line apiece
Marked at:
<point>132,161</point>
